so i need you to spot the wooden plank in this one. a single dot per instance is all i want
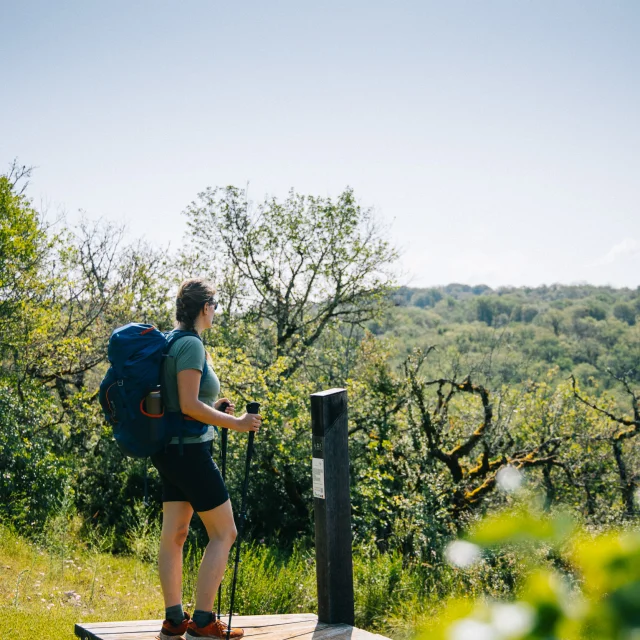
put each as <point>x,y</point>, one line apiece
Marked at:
<point>265,621</point>
<point>318,632</point>
<point>292,633</point>
<point>146,635</point>
<point>284,630</point>
<point>299,632</point>
<point>146,630</point>
<point>247,621</point>
<point>99,630</point>
<point>275,626</point>
<point>279,627</point>
<point>361,634</point>
<point>91,626</point>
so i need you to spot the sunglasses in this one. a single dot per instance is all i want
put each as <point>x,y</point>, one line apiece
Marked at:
<point>213,302</point>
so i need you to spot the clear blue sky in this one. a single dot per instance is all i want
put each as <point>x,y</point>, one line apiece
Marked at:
<point>499,139</point>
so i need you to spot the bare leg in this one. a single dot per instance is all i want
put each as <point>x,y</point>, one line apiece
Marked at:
<point>221,530</point>
<point>175,526</point>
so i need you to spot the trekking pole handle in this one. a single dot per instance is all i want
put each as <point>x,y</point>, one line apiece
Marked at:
<point>252,407</point>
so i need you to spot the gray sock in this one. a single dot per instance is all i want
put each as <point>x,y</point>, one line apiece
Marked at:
<point>175,614</point>
<point>202,618</point>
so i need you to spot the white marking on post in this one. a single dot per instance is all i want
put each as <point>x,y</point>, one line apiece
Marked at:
<point>318,478</point>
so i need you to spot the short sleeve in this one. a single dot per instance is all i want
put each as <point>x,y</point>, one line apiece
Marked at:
<point>189,354</point>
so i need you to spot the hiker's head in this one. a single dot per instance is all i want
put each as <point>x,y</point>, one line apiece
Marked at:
<point>195,299</point>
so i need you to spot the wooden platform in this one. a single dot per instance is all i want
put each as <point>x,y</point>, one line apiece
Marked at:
<point>301,626</point>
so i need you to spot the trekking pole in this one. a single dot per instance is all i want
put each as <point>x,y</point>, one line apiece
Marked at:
<point>252,407</point>
<point>223,463</point>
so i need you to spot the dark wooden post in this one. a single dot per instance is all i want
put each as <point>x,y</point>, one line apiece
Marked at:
<point>332,506</point>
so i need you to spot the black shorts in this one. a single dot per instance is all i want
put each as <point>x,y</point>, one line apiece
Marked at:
<point>191,477</point>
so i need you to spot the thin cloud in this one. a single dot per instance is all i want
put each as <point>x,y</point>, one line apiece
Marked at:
<point>626,247</point>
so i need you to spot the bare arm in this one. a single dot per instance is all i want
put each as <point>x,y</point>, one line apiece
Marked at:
<point>188,387</point>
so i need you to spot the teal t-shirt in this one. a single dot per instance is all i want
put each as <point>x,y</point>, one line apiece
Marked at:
<point>189,353</point>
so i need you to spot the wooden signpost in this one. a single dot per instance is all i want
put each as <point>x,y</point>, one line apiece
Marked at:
<point>332,506</point>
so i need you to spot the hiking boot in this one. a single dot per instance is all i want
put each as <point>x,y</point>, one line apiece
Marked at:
<point>215,629</point>
<point>172,631</point>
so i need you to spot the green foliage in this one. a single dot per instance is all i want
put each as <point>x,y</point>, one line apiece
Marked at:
<point>23,245</point>
<point>290,269</point>
<point>43,593</point>
<point>381,585</point>
<point>298,278</point>
<point>273,582</point>
<point>560,325</point>
<point>279,475</point>
<point>590,589</point>
<point>109,488</point>
<point>35,468</point>
<point>143,536</point>
<point>61,296</point>
<point>448,386</point>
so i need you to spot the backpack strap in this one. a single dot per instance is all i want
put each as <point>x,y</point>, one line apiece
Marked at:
<point>172,338</point>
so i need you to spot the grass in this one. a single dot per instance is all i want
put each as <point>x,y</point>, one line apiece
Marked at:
<point>43,594</point>
<point>46,588</point>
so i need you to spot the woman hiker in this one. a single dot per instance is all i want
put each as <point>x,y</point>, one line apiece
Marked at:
<point>192,481</point>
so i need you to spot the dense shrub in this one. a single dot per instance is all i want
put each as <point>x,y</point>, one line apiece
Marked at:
<point>34,469</point>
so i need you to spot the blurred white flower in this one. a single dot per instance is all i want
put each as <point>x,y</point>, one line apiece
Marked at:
<point>509,479</point>
<point>468,629</point>
<point>462,554</point>
<point>512,620</point>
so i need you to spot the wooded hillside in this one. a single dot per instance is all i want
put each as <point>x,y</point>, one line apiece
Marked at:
<point>447,385</point>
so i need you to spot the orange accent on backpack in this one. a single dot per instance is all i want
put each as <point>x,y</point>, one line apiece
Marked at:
<point>149,415</point>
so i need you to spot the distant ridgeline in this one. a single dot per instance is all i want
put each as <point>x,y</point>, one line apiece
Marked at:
<point>624,303</point>
<point>582,329</point>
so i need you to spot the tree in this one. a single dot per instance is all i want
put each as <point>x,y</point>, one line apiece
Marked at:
<point>23,249</point>
<point>295,267</point>
<point>471,443</point>
<point>61,295</point>
<point>624,429</point>
<point>625,313</point>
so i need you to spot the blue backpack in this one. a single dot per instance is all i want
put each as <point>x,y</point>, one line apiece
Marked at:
<point>136,353</point>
